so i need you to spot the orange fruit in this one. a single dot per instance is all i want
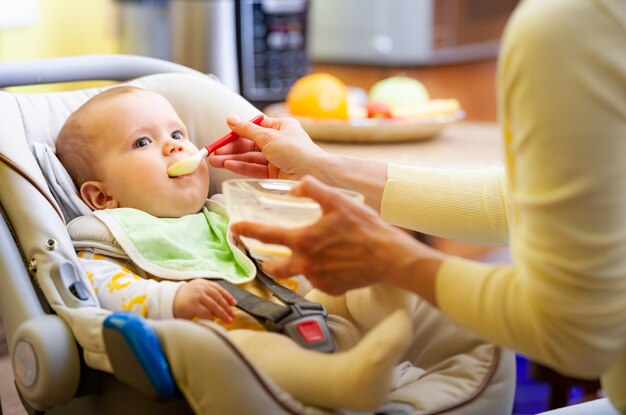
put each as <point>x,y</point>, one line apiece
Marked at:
<point>318,95</point>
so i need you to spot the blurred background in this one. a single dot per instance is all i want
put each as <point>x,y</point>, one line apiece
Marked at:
<point>259,48</point>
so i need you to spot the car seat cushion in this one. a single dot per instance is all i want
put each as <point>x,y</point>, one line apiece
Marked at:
<point>59,182</point>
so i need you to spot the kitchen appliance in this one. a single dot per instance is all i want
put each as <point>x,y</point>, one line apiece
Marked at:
<point>406,32</point>
<point>256,47</point>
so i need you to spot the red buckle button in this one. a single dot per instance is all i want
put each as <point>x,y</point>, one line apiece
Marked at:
<point>310,331</point>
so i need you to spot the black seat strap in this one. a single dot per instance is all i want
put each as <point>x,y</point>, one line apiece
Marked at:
<point>284,294</point>
<point>302,320</point>
<point>263,310</point>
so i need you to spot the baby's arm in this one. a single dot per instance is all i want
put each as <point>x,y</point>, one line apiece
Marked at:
<point>119,289</point>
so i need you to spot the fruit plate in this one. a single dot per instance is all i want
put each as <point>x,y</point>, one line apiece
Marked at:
<point>370,129</point>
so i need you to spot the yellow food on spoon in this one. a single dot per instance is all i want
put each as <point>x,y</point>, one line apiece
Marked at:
<point>318,95</point>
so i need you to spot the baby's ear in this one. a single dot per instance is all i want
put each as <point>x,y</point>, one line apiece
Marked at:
<point>96,197</point>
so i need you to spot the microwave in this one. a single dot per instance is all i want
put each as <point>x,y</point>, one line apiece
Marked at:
<point>255,47</point>
<point>406,32</point>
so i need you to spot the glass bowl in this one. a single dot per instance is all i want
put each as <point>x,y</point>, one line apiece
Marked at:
<point>268,201</point>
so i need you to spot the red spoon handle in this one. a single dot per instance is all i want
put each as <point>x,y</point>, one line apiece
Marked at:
<point>230,136</point>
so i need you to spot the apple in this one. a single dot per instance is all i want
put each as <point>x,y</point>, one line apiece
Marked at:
<point>377,109</point>
<point>399,92</point>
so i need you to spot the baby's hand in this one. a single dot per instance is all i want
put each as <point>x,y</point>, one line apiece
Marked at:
<point>204,299</point>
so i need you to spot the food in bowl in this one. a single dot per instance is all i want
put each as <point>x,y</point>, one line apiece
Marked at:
<point>269,201</point>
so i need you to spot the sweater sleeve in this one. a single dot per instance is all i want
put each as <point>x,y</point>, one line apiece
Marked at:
<point>466,205</point>
<point>561,85</point>
<point>119,289</point>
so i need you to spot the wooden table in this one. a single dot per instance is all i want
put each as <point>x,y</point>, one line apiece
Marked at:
<point>464,144</point>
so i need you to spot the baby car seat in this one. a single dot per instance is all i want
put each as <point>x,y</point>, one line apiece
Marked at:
<point>71,356</point>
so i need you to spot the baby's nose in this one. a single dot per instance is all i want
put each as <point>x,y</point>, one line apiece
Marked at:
<point>171,148</point>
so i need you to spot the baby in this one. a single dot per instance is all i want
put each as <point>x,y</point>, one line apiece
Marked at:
<point>117,148</point>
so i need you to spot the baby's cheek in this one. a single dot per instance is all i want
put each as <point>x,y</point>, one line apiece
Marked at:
<point>205,179</point>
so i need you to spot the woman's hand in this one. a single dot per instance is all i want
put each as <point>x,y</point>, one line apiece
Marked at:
<point>201,298</point>
<point>281,149</point>
<point>349,247</point>
<point>278,149</point>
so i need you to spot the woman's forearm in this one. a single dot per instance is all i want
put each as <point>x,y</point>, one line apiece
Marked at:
<point>413,266</point>
<point>364,176</point>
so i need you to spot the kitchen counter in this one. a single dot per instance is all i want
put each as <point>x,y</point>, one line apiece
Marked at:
<point>464,145</point>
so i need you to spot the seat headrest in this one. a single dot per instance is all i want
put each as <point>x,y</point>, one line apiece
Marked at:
<point>202,102</point>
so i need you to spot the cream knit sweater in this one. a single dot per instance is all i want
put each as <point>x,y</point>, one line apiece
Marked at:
<point>560,204</point>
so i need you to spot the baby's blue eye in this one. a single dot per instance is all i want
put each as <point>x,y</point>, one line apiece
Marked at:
<point>141,142</point>
<point>177,135</point>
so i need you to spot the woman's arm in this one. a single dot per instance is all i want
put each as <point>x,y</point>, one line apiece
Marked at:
<point>350,246</point>
<point>280,148</point>
<point>563,301</point>
<point>364,176</point>
<point>467,204</point>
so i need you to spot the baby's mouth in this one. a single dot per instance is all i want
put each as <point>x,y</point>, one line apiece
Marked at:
<point>174,177</point>
<point>182,176</point>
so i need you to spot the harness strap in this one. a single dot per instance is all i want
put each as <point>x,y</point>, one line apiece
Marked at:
<point>283,293</point>
<point>302,320</point>
<point>263,310</point>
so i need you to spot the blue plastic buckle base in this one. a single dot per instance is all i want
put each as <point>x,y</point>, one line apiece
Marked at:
<point>133,345</point>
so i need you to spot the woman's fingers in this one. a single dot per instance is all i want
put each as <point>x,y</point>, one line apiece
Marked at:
<point>284,267</point>
<point>251,164</point>
<point>331,199</point>
<point>271,234</point>
<point>327,197</point>
<point>239,146</point>
<point>281,144</point>
<point>257,171</point>
<point>248,130</point>
<point>238,159</point>
<point>253,157</point>
<point>275,123</point>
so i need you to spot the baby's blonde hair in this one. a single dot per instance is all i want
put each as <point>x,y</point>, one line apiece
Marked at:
<point>75,146</point>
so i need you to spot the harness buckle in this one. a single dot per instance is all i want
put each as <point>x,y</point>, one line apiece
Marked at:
<point>306,325</point>
<point>302,320</point>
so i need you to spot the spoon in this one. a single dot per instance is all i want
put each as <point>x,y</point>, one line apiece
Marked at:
<point>190,164</point>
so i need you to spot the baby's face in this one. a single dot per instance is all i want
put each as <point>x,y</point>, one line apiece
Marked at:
<point>139,137</point>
